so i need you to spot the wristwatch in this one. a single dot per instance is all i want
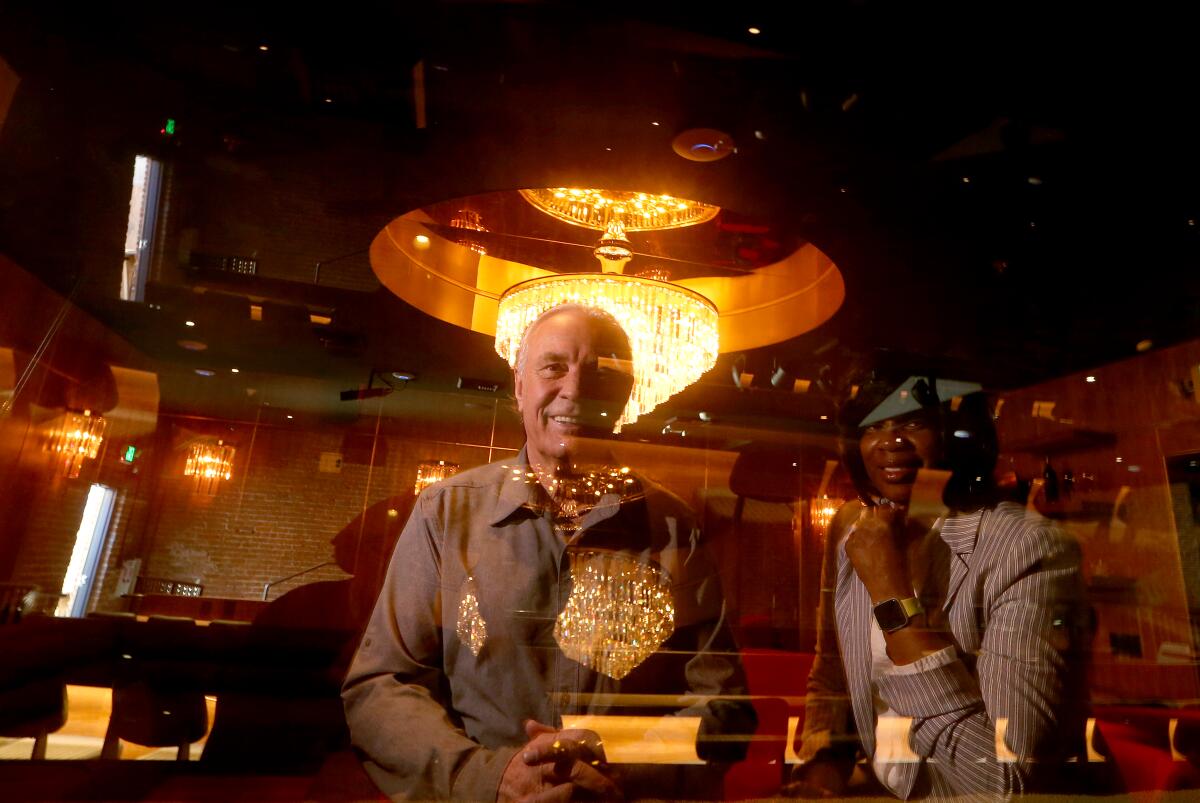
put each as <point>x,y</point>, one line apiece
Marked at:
<point>896,614</point>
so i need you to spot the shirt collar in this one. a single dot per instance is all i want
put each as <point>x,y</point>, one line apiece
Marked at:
<point>517,490</point>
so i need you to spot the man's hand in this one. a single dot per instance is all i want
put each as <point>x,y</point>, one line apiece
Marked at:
<point>557,766</point>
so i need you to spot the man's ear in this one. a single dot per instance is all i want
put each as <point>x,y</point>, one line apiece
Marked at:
<point>518,388</point>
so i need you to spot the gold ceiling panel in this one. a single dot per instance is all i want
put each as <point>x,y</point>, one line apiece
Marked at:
<point>455,284</point>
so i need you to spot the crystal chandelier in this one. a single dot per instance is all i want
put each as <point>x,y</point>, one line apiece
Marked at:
<point>209,463</point>
<point>429,473</point>
<point>672,330</point>
<point>619,613</point>
<point>76,438</point>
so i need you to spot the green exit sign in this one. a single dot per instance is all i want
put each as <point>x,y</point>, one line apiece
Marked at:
<point>131,453</point>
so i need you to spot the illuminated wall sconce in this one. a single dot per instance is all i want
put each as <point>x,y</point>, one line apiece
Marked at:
<point>76,437</point>
<point>210,463</point>
<point>821,512</point>
<point>431,472</point>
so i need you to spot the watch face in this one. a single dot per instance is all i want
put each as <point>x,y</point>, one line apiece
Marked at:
<point>890,615</point>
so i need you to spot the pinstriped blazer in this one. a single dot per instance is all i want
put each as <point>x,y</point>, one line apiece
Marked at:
<point>1012,602</point>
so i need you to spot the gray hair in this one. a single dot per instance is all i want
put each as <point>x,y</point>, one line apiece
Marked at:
<point>595,313</point>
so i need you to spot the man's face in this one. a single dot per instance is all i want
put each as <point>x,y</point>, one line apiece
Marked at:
<point>895,450</point>
<point>573,385</point>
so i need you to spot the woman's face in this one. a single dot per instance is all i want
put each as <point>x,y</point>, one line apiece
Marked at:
<point>893,451</point>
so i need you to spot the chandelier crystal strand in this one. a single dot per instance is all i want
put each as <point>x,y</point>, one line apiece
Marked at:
<point>672,330</point>
<point>470,628</point>
<point>619,613</point>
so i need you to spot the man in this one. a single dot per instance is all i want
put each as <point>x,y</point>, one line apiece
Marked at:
<point>503,607</point>
<point>957,615</point>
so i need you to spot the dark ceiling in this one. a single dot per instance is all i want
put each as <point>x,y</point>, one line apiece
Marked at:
<point>1011,188</point>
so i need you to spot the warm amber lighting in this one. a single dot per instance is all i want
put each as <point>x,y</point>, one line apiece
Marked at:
<point>77,437</point>
<point>619,613</point>
<point>637,211</point>
<point>210,463</point>
<point>429,473</point>
<point>672,330</point>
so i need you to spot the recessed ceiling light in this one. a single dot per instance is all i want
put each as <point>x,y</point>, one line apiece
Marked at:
<point>191,345</point>
<point>289,416</point>
<point>1090,379</point>
<point>421,241</point>
<point>1034,180</point>
<point>204,372</point>
<point>1144,345</point>
<point>824,418</point>
<point>234,371</point>
<point>189,323</point>
<point>1120,459</point>
<point>655,122</point>
<point>263,48</point>
<point>966,179</point>
<point>753,31</point>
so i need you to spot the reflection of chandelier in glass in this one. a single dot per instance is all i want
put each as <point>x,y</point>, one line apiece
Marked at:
<point>619,613</point>
<point>209,463</point>
<point>429,473</point>
<point>672,330</point>
<point>637,211</point>
<point>76,438</point>
<point>470,220</point>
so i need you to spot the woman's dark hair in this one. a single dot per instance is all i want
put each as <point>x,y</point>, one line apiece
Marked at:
<point>966,433</point>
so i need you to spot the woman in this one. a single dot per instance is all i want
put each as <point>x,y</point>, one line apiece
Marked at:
<point>955,612</point>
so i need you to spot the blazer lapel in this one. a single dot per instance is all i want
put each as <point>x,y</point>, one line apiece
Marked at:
<point>854,634</point>
<point>960,533</point>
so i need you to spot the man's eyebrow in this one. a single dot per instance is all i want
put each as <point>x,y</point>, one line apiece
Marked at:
<point>551,356</point>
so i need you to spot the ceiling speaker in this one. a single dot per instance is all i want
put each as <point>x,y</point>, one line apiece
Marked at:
<point>703,144</point>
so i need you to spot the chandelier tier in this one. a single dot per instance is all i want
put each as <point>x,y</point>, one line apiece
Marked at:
<point>636,211</point>
<point>672,330</point>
